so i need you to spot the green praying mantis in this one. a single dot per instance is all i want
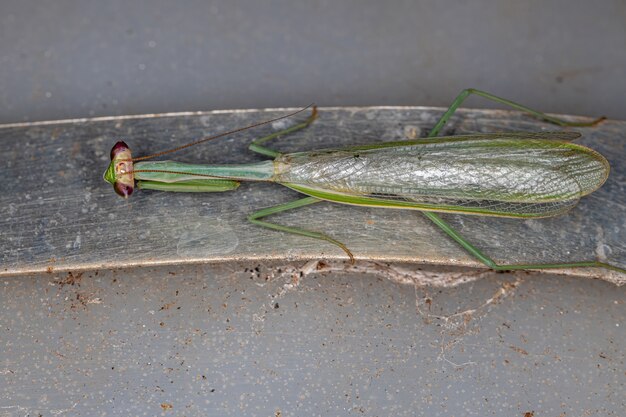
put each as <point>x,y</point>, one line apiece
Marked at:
<point>519,174</point>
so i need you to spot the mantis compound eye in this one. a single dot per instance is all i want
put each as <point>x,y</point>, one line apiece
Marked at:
<point>118,148</point>
<point>123,190</point>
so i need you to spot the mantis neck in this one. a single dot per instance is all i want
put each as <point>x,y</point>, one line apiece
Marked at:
<point>171,171</point>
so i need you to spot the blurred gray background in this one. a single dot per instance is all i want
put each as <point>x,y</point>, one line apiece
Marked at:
<point>66,59</point>
<point>239,340</point>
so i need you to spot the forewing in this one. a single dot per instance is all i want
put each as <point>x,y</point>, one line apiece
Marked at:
<point>491,176</point>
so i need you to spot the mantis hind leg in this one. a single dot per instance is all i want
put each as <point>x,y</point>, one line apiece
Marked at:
<point>476,253</point>
<point>467,92</point>
<point>254,218</point>
<point>255,146</point>
<point>456,236</point>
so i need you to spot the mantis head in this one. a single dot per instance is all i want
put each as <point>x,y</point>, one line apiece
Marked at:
<point>120,170</point>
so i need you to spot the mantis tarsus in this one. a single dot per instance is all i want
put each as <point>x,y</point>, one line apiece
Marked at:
<point>521,174</point>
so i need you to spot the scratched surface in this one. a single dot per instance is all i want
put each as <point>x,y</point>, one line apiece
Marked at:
<point>274,340</point>
<point>56,212</point>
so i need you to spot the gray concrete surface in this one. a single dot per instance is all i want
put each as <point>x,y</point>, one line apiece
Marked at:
<point>64,59</point>
<point>271,341</point>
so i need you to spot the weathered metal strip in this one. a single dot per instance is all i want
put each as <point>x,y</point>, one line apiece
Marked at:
<point>56,212</point>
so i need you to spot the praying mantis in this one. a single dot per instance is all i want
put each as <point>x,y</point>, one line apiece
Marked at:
<point>519,174</point>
